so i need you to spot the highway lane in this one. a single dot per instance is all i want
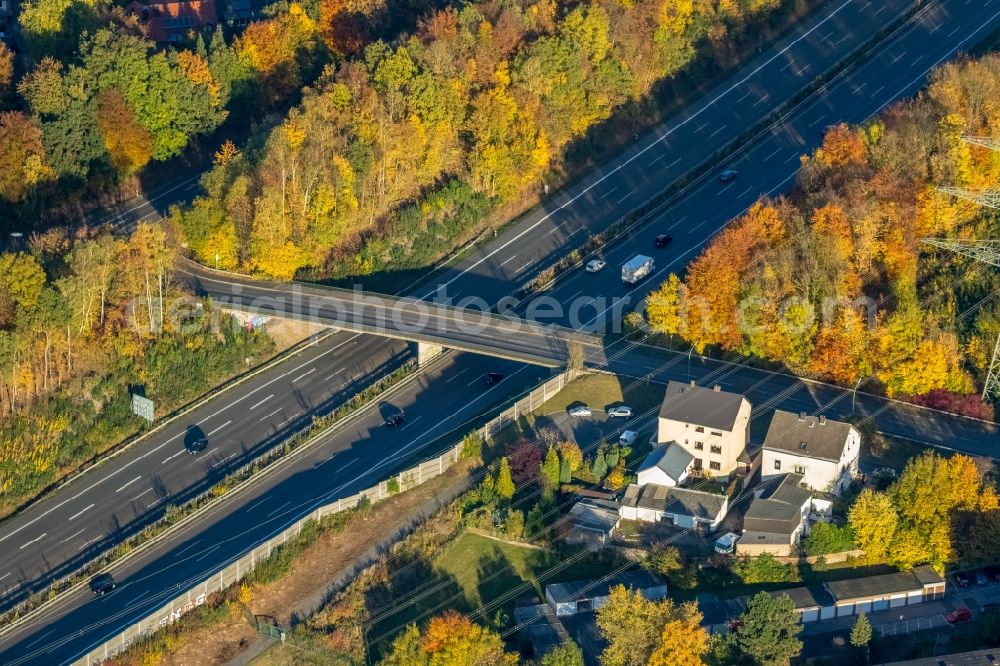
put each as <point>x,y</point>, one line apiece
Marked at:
<point>767,167</point>
<point>597,223</point>
<point>817,42</point>
<point>658,158</point>
<point>355,457</point>
<point>116,499</point>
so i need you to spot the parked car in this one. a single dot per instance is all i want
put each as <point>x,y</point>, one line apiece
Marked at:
<point>964,579</point>
<point>628,438</point>
<point>595,265</point>
<point>103,583</point>
<point>993,572</point>
<point>958,615</point>
<point>663,240</point>
<point>981,578</point>
<point>493,378</point>
<point>395,420</point>
<point>884,473</point>
<point>579,410</point>
<point>621,410</point>
<point>727,175</point>
<point>726,543</point>
<point>989,607</point>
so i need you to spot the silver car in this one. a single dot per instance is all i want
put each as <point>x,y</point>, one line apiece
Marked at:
<point>579,410</point>
<point>594,265</point>
<point>621,410</point>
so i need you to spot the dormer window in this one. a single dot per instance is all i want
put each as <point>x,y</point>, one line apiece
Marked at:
<point>803,445</point>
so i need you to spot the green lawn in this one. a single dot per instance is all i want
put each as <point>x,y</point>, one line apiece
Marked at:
<point>600,391</point>
<point>475,572</point>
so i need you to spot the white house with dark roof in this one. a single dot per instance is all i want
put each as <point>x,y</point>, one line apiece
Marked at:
<point>680,507</point>
<point>776,519</point>
<point>822,451</point>
<point>666,465</point>
<point>711,424</point>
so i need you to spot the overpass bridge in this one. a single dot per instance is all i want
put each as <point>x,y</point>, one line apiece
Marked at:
<point>433,326</point>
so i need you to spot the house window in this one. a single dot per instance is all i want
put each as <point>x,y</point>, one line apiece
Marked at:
<point>714,465</point>
<point>800,469</point>
<point>716,433</point>
<point>698,446</point>
<point>699,429</point>
<point>777,464</point>
<point>716,449</point>
<point>803,445</point>
<point>697,463</point>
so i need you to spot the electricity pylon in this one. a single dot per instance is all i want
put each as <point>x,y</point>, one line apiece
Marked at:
<point>988,252</point>
<point>982,197</point>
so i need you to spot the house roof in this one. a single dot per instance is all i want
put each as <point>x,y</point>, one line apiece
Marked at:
<point>167,21</point>
<point>986,657</point>
<point>599,515</point>
<point>780,511</point>
<point>591,589</point>
<point>807,436</point>
<point>678,501</point>
<point>672,458</point>
<point>791,491</point>
<point>871,586</point>
<point>701,406</point>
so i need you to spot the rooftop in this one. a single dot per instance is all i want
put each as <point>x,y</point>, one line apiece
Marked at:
<point>870,586</point>
<point>682,501</point>
<point>777,512</point>
<point>809,436</point>
<point>709,407</point>
<point>987,657</point>
<point>812,596</point>
<point>672,458</point>
<point>600,515</point>
<point>590,589</point>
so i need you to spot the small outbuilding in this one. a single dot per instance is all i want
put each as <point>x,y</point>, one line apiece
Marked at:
<point>586,595</point>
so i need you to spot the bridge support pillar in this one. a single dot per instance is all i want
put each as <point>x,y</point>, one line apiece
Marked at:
<point>427,352</point>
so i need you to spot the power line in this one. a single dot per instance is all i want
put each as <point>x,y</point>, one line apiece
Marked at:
<point>987,252</point>
<point>980,196</point>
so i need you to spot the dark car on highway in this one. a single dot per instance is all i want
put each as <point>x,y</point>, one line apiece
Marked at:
<point>993,572</point>
<point>102,583</point>
<point>395,420</point>
<point>493,378</point>
<point>663,240</point>
<point>727,176</point>
<point>195,440</point>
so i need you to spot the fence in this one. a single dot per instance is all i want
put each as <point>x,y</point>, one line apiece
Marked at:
<point>233,573</point>
<point>529,403</point>
<point>197,595</point>
<point>410,478</point>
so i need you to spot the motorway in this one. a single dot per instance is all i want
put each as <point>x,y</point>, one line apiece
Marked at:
<point>361,454</point>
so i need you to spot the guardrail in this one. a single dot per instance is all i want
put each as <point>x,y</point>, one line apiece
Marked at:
<point>242,566</point>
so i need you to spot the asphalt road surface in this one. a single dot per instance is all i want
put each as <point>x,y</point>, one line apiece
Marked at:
<point>369,452</point>
<point>47,548</point>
